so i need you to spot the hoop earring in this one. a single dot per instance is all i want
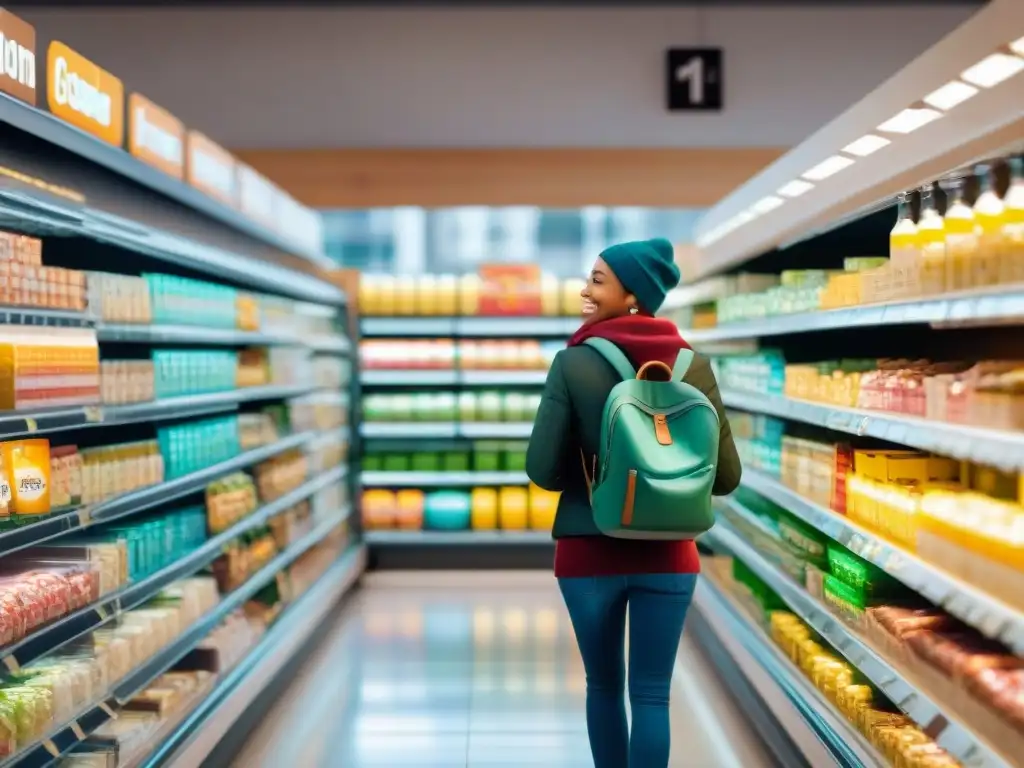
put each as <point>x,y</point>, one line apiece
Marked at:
<point>633,310</point>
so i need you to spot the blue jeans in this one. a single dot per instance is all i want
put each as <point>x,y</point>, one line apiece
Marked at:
<point>657,609</point>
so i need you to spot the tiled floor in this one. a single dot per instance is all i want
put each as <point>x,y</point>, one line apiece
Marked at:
<point>455,678</point>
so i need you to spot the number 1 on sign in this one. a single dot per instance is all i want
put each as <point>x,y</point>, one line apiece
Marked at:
<point>691,74</point>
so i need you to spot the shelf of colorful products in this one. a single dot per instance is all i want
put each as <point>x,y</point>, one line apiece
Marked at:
<point>873,651</point>
<point>964,264</point>
<point>740,624</point>
<point>243,684</point>
<point>227,627</point>
<point>234,533</point>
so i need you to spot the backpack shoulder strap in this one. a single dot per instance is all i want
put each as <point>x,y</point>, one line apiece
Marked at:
<point>683,361</point>
<point>615,356</point>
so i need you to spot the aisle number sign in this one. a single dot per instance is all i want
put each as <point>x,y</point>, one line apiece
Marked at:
<point>211,169</point>
<point>83,94</point>
<point>510,289</point>
<point>17,57</point>
<point>155,136</point>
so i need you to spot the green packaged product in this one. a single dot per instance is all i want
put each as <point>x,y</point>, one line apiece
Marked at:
<point>489,406</point>
<point>8,729</point>
<point>421,408</point>
<point>810,543</point>
<point>861,576</point>
<point>467,406</point>
<point>843,596</point>
<point>487,456</point>
<point>396,462</point>
<point>455,462</point>
<point>446,407</point>
<point>426,461</point>
<point>515,408</point>
<point>373,462</point>
<point>515,456</point>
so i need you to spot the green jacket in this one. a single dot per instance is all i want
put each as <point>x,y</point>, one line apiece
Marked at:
<point>569,418</point>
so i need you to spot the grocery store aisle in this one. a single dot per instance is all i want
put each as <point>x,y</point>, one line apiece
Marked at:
<point>481,675</point>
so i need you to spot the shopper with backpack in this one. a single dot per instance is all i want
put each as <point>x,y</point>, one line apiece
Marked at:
<point>631,429</point>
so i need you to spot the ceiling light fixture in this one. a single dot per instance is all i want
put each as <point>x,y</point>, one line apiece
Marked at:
<point>866,145</point>
<point>910,120</point>
<point>769,203</point>
<point>993,70</point>
<point>829,167</point>
<point>948,96</point>
<point>1017,46</point>
<point>795,188</point>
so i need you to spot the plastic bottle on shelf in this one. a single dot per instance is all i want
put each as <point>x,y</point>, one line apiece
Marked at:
<point>961,237</point>
<point>470,288</point>
<point>427,296</point>
<point>447,295</point>
<point>989,215</point>
<point>903,249</point>
<point>1012,263</point>
<point>931,243</point>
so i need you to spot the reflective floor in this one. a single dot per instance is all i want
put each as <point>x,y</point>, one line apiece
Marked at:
<point>433,675</point>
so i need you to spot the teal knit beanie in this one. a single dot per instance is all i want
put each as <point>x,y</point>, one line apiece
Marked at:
<point>646,268</point>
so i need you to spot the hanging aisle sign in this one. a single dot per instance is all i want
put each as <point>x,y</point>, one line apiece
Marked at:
<point>695,79</point>
<point>155,136</point>
<point>17,57</point>
<point>212,169</point>
<point>83,94</point>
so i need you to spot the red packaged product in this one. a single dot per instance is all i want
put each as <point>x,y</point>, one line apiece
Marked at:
<point>32,601</point>
<point>12,616</point>
<point>84,588</point>
<point>55,590</point>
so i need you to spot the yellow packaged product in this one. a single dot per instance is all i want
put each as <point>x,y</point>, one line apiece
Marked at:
<point>543,506</point>
<point>513,508</point>
<point>6,495</point>
<point>369,295</point>
<point>447,295</point>
<point>28,462</point>
<point>1012,265</point>
<point>961,237</point>
<point>484,509</point>
<point>550,296</point>
<point>990,215</point>
<point>470,288</point>
<point>571,301</point>
<point>427,298</point>
<point>409,509</point>
<point>931,238</point>
<point>405,295</point>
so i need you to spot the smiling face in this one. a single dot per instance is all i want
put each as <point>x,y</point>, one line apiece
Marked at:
<point>603,295</point>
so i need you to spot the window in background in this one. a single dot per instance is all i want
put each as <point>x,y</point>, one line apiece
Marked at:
<point>412,240</point>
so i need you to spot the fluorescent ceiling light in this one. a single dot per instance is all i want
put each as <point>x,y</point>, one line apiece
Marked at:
<point>909,120</point>
<point>795,188</point>
<point>948,96</point>
<point>829,167</point>
<point>769,203</point>
<point>993,69</point>
<point>1017,46</point>
<point>866,145</point>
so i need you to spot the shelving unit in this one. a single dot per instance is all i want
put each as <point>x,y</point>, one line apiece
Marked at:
<point>808,362</point>
<point>240,494</point>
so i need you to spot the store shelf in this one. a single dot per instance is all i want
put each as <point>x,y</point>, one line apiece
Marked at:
<point>75,732</point>
<point>759,216</point>
<point>202,729</point>
<point>440,479</point>
<point>405,378</point>
<point>948,732</point>
<point>50,318</point>
<point>409,429</point>
<point>15,424</point>
<point>457,538</point>
<point>469,327</point>
<point>132,503</point>
<point>997,448</point>
<point>988,615</point>
<point>996,306</point>
<point>188,334</point>
<point>55,131</point>
<point>503,378</point>
<point>110,607</point>
<point>816,726</point>
<point>142,676</point>
<point>495,430</point>
<point>472,430</point>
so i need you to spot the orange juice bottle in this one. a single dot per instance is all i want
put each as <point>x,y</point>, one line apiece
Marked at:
<point>990,217</point>
<point>961,236</point>
<point>1012,264</point>
<point>931,244</point>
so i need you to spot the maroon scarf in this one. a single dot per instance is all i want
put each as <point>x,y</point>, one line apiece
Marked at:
<point>641,337</point>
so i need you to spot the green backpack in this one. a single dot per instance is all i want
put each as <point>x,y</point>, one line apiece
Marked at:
<point>658,457</point>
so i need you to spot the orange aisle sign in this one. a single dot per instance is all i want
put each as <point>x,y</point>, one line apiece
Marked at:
<point>80,93</point>
<point>510,289</point>
<point>155,136</point>
<point>17,57</point>
<point>211,169</point>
